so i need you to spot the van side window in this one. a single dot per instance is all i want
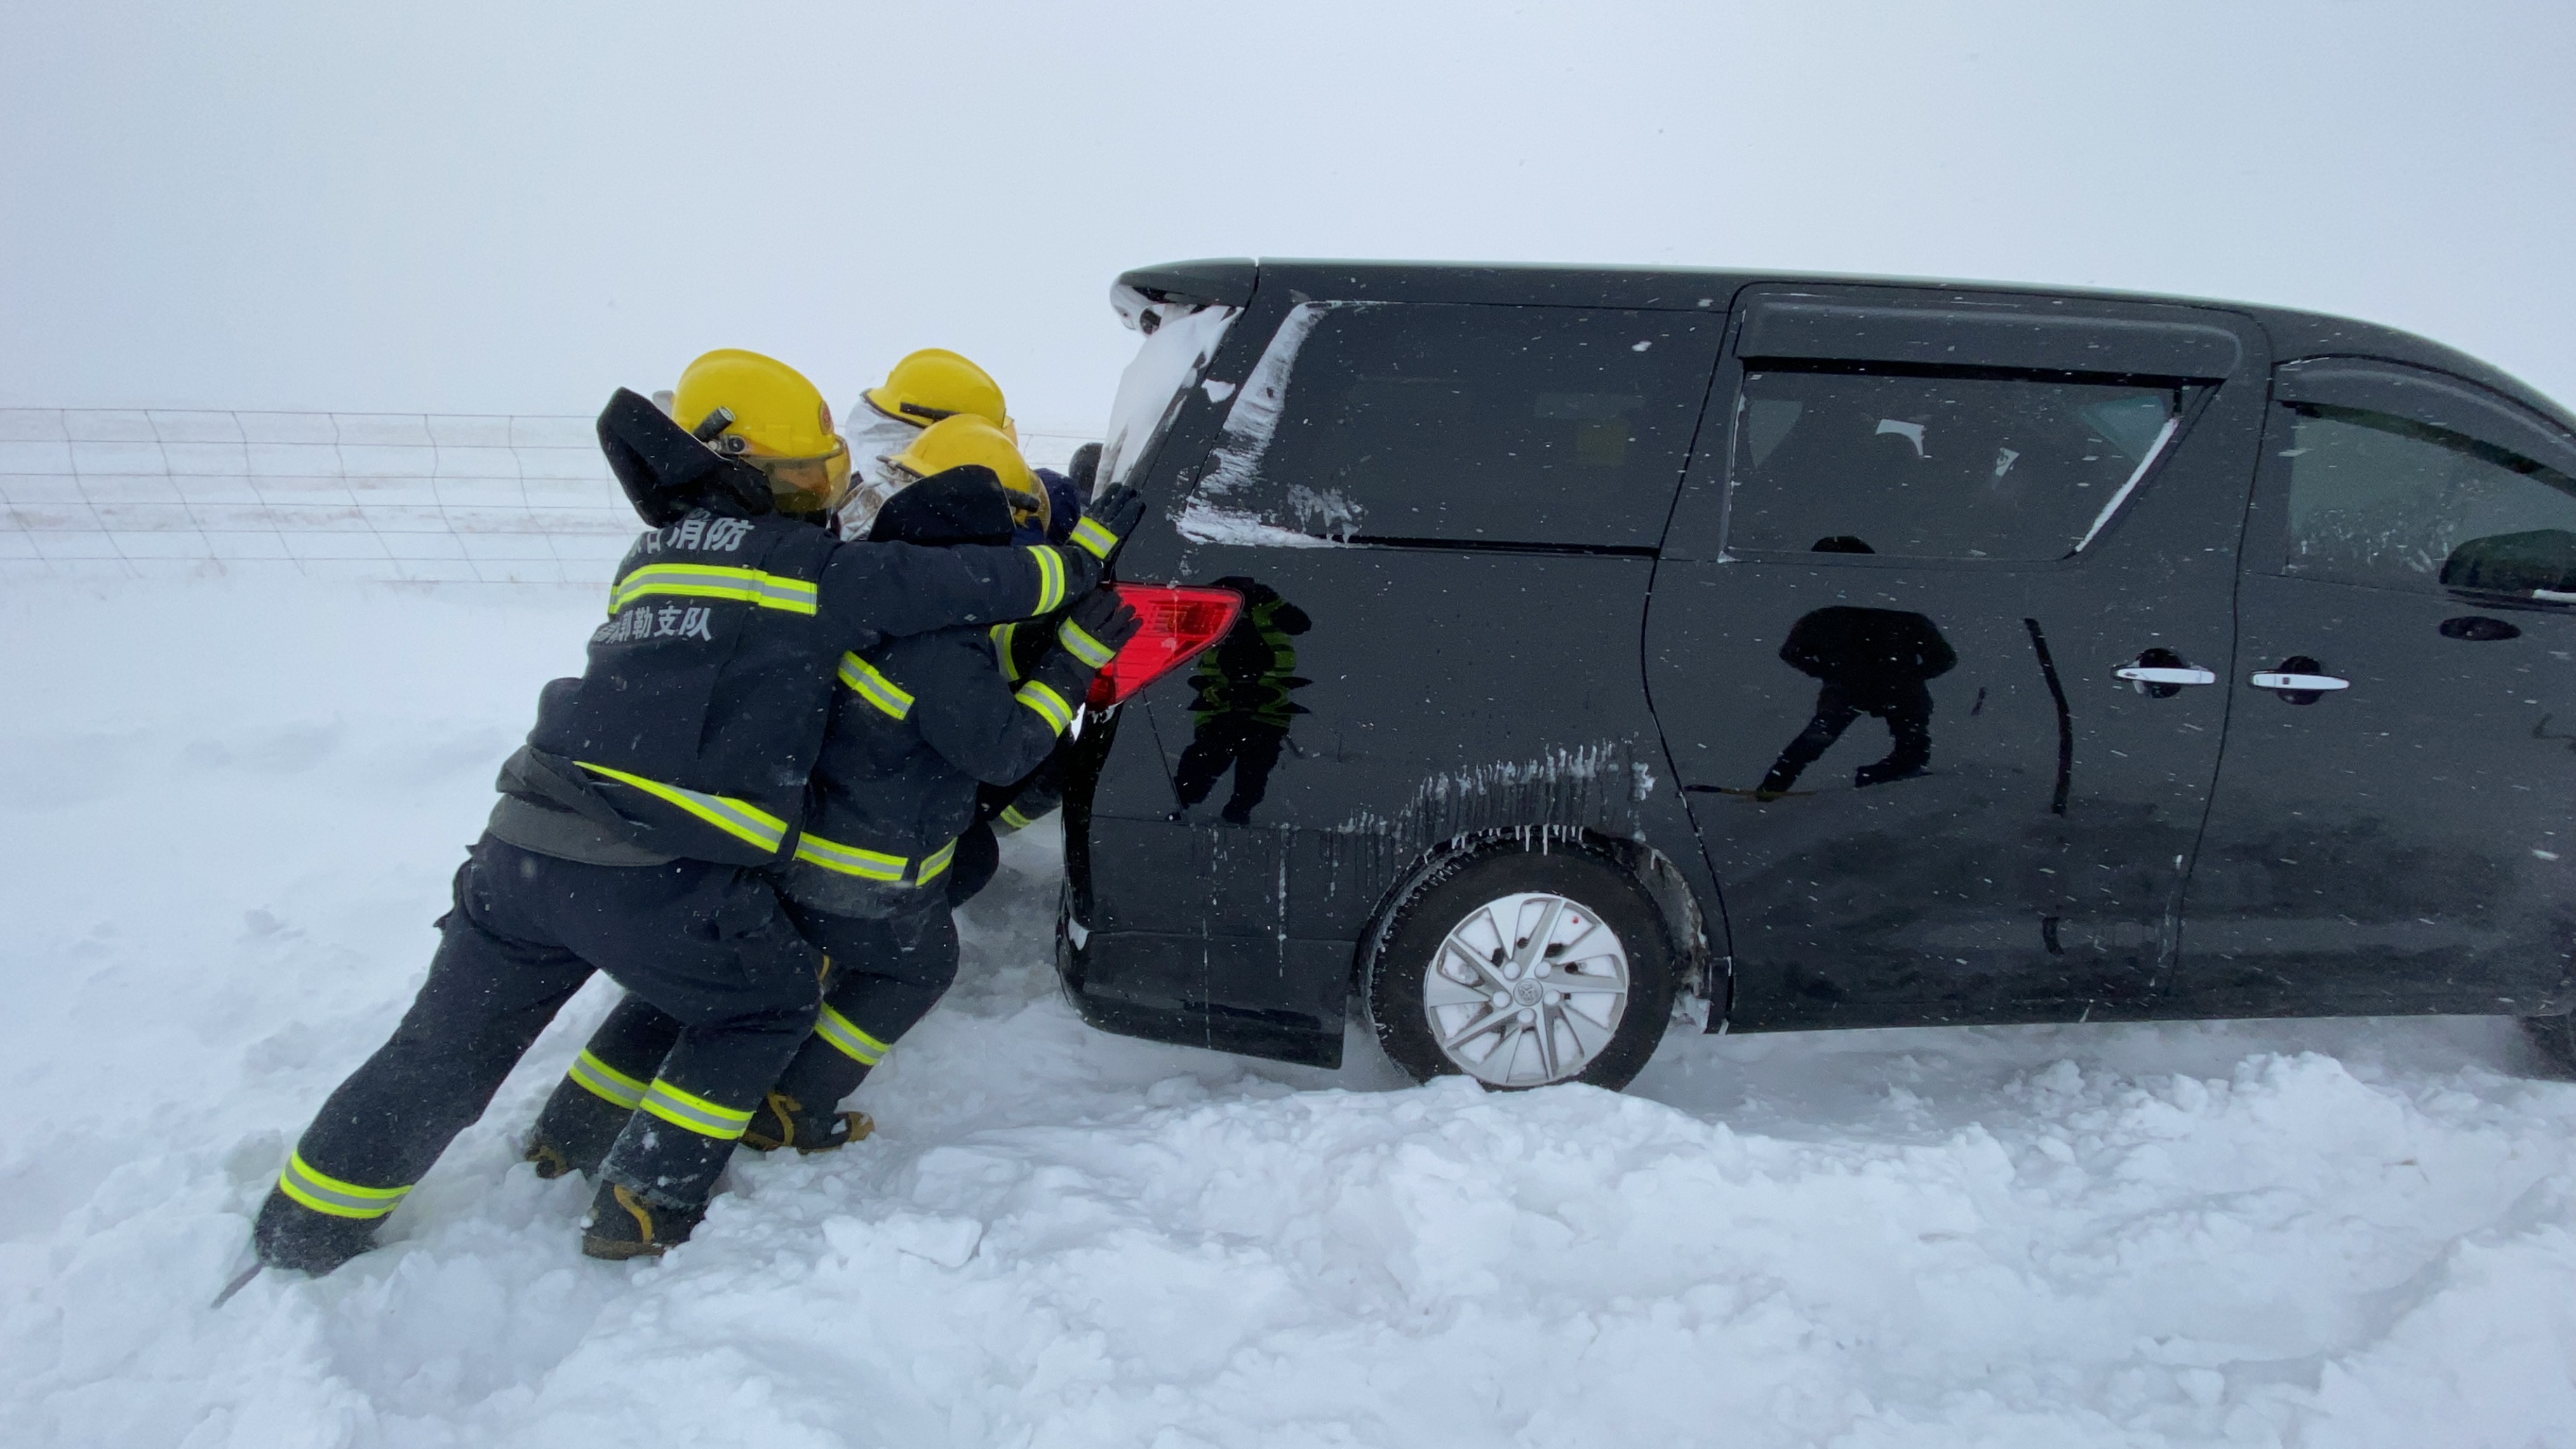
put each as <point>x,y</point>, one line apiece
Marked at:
<point>1396,422</point>
<point>2395,502</point>
<point>1862,458</point>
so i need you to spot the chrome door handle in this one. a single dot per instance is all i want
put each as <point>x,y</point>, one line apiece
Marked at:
<point>2300,683</point>
<point>2160,673</point>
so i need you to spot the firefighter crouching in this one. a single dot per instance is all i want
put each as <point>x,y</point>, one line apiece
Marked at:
<point>634,824</point>
<point>1004,809</point>
<point>917,724</point>
<point>926,387</point>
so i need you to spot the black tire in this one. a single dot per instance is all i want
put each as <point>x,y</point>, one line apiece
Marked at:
<point>2555,1039</point>
<point>1449,894</point>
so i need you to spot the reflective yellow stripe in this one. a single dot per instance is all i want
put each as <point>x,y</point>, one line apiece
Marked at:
<point>844,1034</point>
<point>935,863</point>
<point>874,687</point>
<point>738,818</point>
<point>1002,650</point>
<point>696,1113</point>
<point>849,859</point>
<point>605,1082</point>
<point>1050,578</point>
<point>871,864</point>
<point>1012,817</point>
<point>1078,643</point>
<point>1049,704</point>
<point>327,1194</point>
<point>714,581</point>
<point>1095,540</point>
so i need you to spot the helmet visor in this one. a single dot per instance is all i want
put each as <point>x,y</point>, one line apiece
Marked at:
<point>817,484</point>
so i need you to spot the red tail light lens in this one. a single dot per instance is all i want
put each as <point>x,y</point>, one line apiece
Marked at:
<point>1178,623</point>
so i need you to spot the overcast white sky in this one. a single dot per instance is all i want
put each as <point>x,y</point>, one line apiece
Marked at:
<point>515,208</point>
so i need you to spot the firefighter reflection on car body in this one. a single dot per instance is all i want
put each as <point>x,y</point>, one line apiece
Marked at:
<point>1869,661</point>
<point>1243,706</point>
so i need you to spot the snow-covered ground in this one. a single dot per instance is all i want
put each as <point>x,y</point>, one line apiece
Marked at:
<point>230,811</point>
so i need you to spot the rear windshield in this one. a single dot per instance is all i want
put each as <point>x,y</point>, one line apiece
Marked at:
<point>1373,422</point>
<point>1179,341</point>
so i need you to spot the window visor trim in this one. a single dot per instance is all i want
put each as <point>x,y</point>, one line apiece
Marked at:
<point>2000,338</point>
<point>2385,387</point>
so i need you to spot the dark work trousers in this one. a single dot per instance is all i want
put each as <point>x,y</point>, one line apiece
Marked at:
<point>893,953</point>
<point>978,860</point>
<point>1250,745</point>
<point>710,945</point>
<point>1907,708</point>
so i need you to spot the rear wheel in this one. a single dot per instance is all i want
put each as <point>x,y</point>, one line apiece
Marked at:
<point>1522,968</point>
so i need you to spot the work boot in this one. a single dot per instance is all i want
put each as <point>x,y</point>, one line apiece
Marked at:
<point>290,1235</point>
<point>574,1131</point>
<point>782,1121</point>
<point>624,1223</point>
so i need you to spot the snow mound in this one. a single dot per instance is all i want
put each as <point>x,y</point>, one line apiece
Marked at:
<point>220,873</point>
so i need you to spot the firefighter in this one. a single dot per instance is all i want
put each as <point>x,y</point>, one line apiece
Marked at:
<point>633,825</point>
<point>918,724</point>
<point>925,387</point>
<point>1005,809</point>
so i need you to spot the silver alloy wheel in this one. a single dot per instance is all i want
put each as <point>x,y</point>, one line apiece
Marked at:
<point>1526,990</point>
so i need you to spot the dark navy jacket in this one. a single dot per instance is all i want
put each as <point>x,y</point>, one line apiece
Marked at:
<point>703,707</point>
<point>919,722</point>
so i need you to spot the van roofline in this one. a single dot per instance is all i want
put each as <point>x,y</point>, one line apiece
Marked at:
<point>2294,333</point>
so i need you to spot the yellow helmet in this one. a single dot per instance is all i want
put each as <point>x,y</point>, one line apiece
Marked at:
<point>773,419</point>
<point>936,383</point>
<point>957,441</point>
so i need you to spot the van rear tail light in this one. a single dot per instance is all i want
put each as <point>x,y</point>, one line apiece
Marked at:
<point>1177,624</point>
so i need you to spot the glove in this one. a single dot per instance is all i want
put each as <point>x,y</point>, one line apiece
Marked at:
<point>1088,638</point>
<point>1098,627</point>
<point>1111,517</point>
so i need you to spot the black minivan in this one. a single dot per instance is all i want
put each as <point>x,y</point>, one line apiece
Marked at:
<point>1838,652</point>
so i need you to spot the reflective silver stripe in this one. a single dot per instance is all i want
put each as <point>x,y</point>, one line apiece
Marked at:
<point>844,1035</point>
<point>1049,704</point>
<point>714,581</point>
<point>696,1113</point>
<point>871,864</point>
<point>1095,540</point>
<point>776,591</point>
<point>934,863</point>
<point>327,1194</point>
<point>1079,643</point>
<point>605,1082</point>
<point>1050,578</point>
<point>874,687</point>
<point>738,818</point>
<point>1002,650</point>
<point>849,859</point>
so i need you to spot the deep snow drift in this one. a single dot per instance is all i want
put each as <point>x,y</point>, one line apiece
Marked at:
<point>231,811</point>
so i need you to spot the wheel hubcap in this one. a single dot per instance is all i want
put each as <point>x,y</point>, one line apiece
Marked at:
<point>1526,989</point>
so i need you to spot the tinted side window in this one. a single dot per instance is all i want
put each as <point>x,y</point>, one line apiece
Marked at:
<point>1923,465</point>
<point>2399,503</point>
<point>1469,424</point>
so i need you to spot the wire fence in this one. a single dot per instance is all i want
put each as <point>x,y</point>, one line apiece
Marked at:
<point>430,498</point>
